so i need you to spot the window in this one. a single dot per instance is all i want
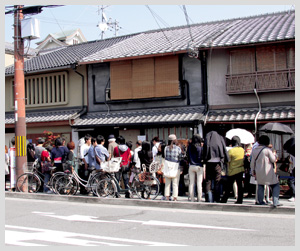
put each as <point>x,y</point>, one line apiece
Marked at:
<point>270,67</point>
<point>144,78</point>
<point>46,90</point>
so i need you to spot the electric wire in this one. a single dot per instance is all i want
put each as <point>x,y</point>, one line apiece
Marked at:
<point>152,13</point>
<point>187,21</point>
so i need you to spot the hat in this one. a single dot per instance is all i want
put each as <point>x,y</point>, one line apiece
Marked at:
<point>111,136</point>
<point>172,137</point>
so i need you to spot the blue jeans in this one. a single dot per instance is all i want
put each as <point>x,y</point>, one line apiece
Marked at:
<point>46,179</point>
<point>275,193</point>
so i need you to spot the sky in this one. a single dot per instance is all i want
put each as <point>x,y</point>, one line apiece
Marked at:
<point>134,18</point>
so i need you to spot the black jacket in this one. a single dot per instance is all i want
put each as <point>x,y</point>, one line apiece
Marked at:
<point>214,146</point>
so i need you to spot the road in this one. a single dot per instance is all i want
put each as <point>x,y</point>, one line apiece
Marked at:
<point>62,223</point>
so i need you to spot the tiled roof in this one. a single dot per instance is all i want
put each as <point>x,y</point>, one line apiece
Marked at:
<point>65,56</point>
<point>142,116</point>
<point>49,116</point>
<point>240,31</point>
<point>9,47</point>
<point>248,114</point>
<point>256,29</point>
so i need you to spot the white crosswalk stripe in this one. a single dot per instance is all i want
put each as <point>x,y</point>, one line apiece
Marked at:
<point>25,236</point>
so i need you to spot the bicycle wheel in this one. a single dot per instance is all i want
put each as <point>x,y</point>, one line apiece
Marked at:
<point>53,180</point>
<point>95,179</point>
<point>28,182</point>
<point>66,185</point>
<point>106,188</point>
<point>147,189</point>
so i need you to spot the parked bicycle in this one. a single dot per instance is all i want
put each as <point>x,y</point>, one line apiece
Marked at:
<point>68,184</point>
<point>31,180</point>
<point>144,184</point>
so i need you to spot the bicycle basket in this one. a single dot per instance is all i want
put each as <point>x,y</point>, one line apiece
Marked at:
<point>29,166</point>
<point>153,168</point>
<point>114,164</point>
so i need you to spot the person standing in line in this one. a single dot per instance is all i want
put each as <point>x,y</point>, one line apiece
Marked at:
<point>172,153</point>
<point>292,177</point>
<point>12,164</point>
<point>194,154</point>
<point>6,166</point>
<point>160,158</point>
<point>122,150</point>
<point>262,167</point>
<point>215,156</point>
<point>100,151</point>
<point>136,160</point>
<point>30,152</point>
<point>71,155</point>
<point>91,154</point>
<point>39,148</point>
<point>155,142</point>
<point>83,171</point>
<point>111,145</point>
<point>46,160</point>
<point>58,154</point>
<point>235,170</point>
<point>146,155</point>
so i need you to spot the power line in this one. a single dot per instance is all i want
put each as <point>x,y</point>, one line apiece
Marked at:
<point>187,21</point>
<point>153,14</point>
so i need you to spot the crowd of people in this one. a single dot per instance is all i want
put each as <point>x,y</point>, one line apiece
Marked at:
<point>214,170</point>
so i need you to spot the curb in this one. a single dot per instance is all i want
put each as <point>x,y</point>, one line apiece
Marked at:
<point>155,203</point>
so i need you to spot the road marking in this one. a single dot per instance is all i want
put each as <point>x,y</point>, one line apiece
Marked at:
<point>185,225</point>
<point>21,236</point>
<point>75,217</point>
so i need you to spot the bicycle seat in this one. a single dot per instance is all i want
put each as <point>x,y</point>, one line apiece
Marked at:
<point>67,172</point>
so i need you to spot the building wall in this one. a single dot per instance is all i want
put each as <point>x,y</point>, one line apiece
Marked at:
<point>100,73</point>
<point>9,59</point>
<point>218,61</point>
<point>74,91</point>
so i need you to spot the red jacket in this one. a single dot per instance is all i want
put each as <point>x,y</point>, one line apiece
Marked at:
<point>126,156</point>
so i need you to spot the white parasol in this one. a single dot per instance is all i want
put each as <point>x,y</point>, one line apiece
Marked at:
<point>245,136</point>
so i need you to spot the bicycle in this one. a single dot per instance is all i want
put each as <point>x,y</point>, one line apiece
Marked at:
<point>31,181</point>
<point>144,184</point>
<point>68,184</point>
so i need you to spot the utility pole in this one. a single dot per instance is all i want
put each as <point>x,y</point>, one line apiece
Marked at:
<point>19,93</point>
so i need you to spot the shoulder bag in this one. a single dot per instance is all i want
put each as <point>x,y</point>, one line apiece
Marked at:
<point>170,168</point>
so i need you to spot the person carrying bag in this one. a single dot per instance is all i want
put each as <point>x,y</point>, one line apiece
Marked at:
<point>171,169</point>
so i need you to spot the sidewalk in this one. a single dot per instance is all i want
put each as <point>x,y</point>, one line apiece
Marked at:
<point>248,205</point>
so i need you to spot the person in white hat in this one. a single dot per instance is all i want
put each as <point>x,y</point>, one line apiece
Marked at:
<point>172,152</point>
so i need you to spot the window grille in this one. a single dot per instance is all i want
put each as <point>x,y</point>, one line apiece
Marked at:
<point>46,90</point>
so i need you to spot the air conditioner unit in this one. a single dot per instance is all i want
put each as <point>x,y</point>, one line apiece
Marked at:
<point>30,28</point>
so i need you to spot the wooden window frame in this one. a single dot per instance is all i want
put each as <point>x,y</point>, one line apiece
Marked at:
<point>45,90</point>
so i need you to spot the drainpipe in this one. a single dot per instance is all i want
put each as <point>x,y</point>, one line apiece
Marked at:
<point>203,60</point>
<point>259,110</point>
<point>83,109</point>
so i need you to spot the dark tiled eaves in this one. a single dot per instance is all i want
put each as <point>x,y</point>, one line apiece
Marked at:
<point>250,30</point>
<point>142,117</point>
<point>248,114</point>
<point>66,56</point>
<point>45,116</point>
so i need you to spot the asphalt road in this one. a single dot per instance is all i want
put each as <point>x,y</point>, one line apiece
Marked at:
<point>64,223</point>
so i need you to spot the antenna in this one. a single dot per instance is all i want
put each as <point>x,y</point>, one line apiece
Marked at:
<point>105,24</point>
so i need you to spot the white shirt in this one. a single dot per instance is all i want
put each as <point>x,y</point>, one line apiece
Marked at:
<point>136,158</point>
<point>155,149</point>
<point>83,152</point>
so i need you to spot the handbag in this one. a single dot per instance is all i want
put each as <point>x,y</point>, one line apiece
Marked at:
<point>170,169</point>
<point>46,166</point>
